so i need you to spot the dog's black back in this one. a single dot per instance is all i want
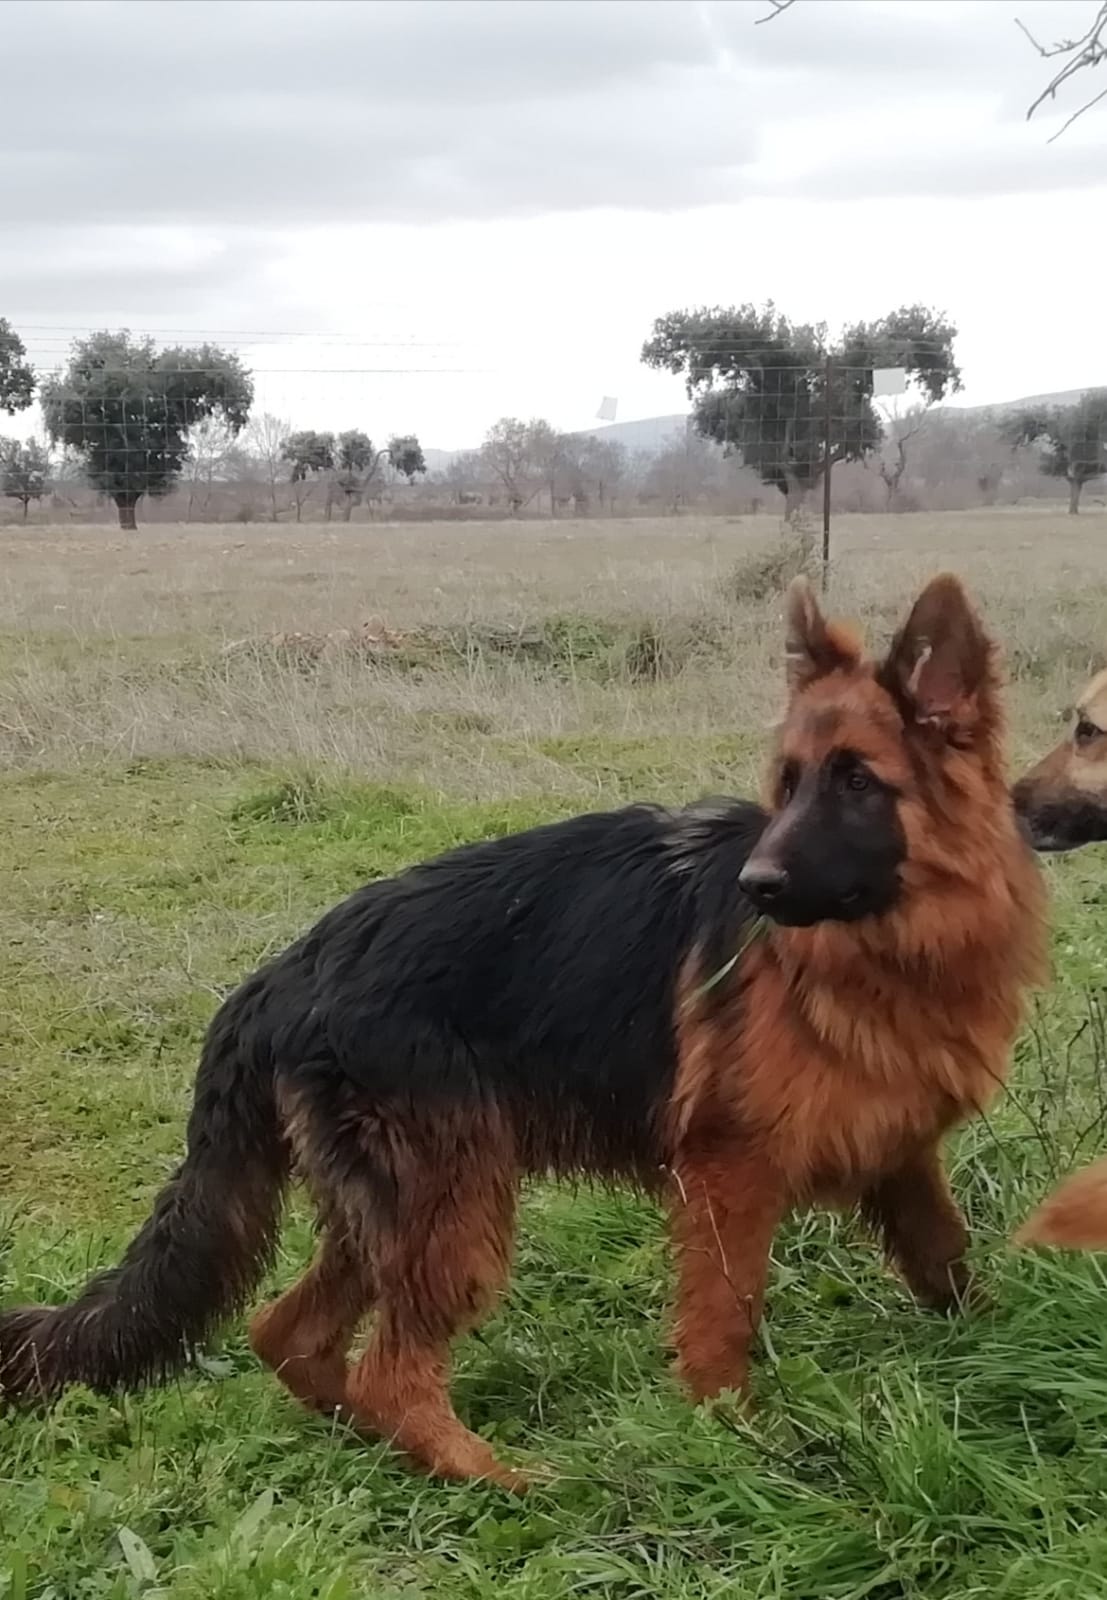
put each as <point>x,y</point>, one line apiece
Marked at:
<point>538,971</point>
<point>509,1007</point>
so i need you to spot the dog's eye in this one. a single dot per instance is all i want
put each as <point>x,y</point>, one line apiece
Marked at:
<point>857,780</point>
<point>787,782</point>
<point>1085,731</point>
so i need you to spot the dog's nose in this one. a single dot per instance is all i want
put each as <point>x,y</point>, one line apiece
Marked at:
<point>763,882</point>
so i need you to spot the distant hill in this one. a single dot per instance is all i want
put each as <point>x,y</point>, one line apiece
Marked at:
<point>650,435</point>
<point>1066,397</point>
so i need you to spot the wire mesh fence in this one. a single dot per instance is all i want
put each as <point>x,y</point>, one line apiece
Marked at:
<point>134,430</point>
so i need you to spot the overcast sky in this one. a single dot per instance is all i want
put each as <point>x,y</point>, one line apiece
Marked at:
<point>492,199</point>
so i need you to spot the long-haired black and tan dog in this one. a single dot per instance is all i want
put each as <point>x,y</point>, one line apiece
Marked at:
<point>586,998</point>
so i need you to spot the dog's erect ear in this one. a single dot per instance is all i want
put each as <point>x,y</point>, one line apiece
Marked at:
<point>813,646</point>
<point>940,668</point>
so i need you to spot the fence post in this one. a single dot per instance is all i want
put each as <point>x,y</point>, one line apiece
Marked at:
<point>827,458</point>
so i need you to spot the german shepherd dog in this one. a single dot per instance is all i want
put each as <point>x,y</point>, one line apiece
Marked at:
<point>1063,804</point>
<point>1063,800</point>
<point>587,999</point>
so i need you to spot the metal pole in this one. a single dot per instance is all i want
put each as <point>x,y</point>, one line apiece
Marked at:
<point>828,382</point>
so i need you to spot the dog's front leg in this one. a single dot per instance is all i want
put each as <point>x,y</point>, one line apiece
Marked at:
<point>727,1203</point>
<point>923,1229</point>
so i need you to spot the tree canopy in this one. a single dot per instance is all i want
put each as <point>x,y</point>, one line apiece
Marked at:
<point>351,460</point>
<point>1072,440</point>
<point>308,452</point>
<point>758,382</point>
<point>405,456</point>
<point>126,409</point>
<point>24,471</point>
<point>17,378</point>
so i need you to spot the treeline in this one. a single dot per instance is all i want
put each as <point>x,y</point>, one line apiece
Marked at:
<point>133,421</point>
<point>953,461</point>
<point>791,401</point>
<point>772,403</point>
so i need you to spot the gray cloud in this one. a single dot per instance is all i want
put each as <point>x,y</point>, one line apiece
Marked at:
<point>269,116</point>
<point>947,175</point>
<point>55,278</point>
<point>274,114</point>
<point>154,150</point>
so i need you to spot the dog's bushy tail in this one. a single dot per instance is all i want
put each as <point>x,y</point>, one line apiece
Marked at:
<point>195,1260</point>
<point>1074,1216</point>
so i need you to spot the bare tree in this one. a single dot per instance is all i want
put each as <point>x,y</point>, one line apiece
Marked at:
<point>465,476</point>
<point>962,458</point>
<point>519,456</point>
<point>548,453</point>
<point>265,440</point>
<point>893,462</point>
<point>681,470</point>
<point>210,444</point>
<point>589,469</point>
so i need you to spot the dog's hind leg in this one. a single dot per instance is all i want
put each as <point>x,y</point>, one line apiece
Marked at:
<point>305,1334</point>
<point>923,1229</point>
<point>438,1270</point>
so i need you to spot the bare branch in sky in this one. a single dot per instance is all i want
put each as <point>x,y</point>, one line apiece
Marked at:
<point>1090,50</point>
<point>1076,55</point>
<point>777,7</point>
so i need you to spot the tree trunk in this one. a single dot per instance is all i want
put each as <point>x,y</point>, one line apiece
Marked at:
<point>126,504</point>
<point>26,506</point>
<point>795,499</point>
<point>1075,487</point>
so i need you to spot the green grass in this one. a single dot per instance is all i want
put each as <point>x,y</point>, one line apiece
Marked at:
<point>893,1455</point>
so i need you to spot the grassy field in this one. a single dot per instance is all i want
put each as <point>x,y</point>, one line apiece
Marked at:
<point>186,785</point>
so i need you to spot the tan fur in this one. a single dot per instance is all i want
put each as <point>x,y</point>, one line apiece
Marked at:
<point>1071,781</point>
<point>430,1280</point>
<point>1074,1216</point>
<point>828,1067</point>
<point>1071,767</point>
<point>830,1073</point>
<point>854,1048</point>
<point>863,1037</point>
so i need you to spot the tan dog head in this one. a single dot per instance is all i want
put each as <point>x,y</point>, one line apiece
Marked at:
<point>1063,800</point>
